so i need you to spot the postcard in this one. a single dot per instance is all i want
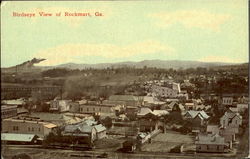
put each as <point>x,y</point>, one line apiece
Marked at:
<point>125,79</point>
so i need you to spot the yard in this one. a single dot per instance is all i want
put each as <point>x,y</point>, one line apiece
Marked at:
<point>164,142</point>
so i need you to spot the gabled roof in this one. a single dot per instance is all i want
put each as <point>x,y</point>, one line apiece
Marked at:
<point>17,137</point>
<point>100,128</point>
<point>143,111</point>
<point>231,115</point>
<point>200,114</point>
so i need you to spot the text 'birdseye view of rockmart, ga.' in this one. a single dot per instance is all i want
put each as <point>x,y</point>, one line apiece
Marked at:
<point>124,79</point>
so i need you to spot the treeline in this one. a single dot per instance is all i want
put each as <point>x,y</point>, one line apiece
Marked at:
<point>62,72</point>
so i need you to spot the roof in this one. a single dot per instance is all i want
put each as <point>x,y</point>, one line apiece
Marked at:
<point>50,125</point>
<point>160,112</point>
<point>213,129</point>
<point>231,115</point>
<point>7,107</point>
<point>143,111</point>
<point>194,113</point>
<point>123,98</point>
<point>14,102</point>
<point>17,137</point>
<point>81,127</point>
<point>90,122</point>
<point>210,139</point>
<point>100,128</point>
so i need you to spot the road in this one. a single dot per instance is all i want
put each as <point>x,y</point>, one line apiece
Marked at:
<point>40,153</point>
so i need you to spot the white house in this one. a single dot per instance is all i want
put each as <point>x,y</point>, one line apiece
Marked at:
<point>227,100</point>
<point>210,143</point>
<point>231,120</point>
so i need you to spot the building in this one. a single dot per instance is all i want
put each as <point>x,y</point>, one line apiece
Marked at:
<point>197,118</point>
<point>11,138</point>
<point>10,91</point>
<point>227,100</point>
<point>231,120</point>
<point>174,106</point>
<point>8,111</point>
<point>127,100</point>
<point>210,143</point>
<point>150,122</point>
<point>85,132</point>
<point>242,107</point>
<point>60,105</point>
<point>101,131</point>
<point>131,112</point>
<point>227,133</point>
<point>164,92</point>
<point>81,132</point>
<point>27,125</point>
<point>99,109</point>
<point>149,101</point>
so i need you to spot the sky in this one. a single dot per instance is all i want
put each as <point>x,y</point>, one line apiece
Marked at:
<point>197,30</point>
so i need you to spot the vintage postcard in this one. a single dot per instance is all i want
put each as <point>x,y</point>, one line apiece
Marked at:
<point>124,79</point>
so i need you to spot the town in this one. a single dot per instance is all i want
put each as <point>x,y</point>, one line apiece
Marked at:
<point>99,113</point>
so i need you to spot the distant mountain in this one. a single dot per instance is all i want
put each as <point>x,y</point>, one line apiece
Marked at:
<point>28,66</point>
<point>175,64</point>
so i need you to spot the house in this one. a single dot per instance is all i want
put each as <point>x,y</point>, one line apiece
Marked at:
<point>8,111</point>
<point>242,107</point>
<point>227,100</point>
<point>131,112</point>
<point>164,92</point>
<point>27,125</point>
<point>100,131</point>
<point>174,106</point>
<point>74,107</point>
<point>99,109</point>
<point>198,118</point>
<point>210,143</point>
<point>13,138</point>
<point>231,120</point>
<point>60,105</point>
<point>149,101</point>
<point>143,111</point>
<point>127,100</point>
<point>150,122</point>
<point>227,133</point>
<point>82,133</point>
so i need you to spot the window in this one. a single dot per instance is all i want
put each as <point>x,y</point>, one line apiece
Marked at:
<point>28,128</point>
<point>39,129</point>
<point>218,147</point>
<point>93,109</point>
<point>32,129</point>
<point>87,109</point>
<point>207,147</point>
<point>235,121</point>
<point>100,109</point>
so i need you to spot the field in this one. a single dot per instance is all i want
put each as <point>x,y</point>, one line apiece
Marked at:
<point>164,142</point>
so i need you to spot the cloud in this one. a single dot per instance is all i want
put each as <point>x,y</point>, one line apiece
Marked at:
<point>73,52</point>
<point>220,59</point>
<point>191,19</point>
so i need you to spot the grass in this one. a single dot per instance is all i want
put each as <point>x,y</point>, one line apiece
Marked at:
<point>164,142</point>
